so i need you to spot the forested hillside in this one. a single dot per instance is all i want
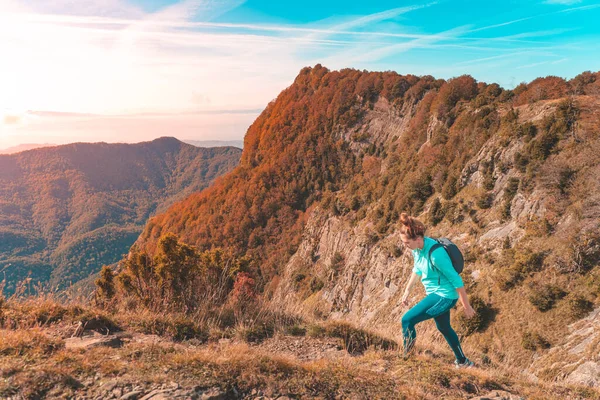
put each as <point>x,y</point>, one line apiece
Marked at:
<point>65,211</point>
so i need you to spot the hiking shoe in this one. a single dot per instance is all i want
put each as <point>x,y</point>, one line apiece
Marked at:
<point>467,364</point>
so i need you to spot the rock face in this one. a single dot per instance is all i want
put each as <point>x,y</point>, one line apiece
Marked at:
<point>577,359</point>
<point>368,284</point>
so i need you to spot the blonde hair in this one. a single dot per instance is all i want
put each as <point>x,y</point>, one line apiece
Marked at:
<point>411,227</point>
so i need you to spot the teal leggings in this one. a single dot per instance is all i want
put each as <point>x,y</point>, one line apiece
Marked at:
<point>438,308</point>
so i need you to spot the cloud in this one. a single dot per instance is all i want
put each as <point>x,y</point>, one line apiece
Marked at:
<point>563,2</point>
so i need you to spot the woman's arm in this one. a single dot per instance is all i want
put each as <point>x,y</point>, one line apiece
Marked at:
<point>442,261</point>
<point>462,293</point>
<point>409,285</point>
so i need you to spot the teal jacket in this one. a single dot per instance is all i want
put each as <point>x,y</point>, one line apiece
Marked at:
<point>444,273</point>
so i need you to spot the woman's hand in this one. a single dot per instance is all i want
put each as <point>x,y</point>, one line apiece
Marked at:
<point>469,311</point>
<point>404,300</point>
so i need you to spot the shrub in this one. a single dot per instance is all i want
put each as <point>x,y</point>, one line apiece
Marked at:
<point>356,341</point>
<point>505,210</point>
<point>449,189</point>
<point>520,161</point>
<point>436,212</point>
<point>316,284</point>
<point>105,286</point>
<point>255,333</point>
<point>527,130</point>
<point>544,297</point>
<point>488,174</point>
<point>484,200</point>
<point>295,330</point>
<point>314,330</point>
<point>541,147</point>
<point>533,341</point>
<point>511,188</point>
<point>337,262</point>
<point>484,315</point>
<point>581,255</point>
<point>452,212</point>
<point>579,306</point>
<point>525,263</point>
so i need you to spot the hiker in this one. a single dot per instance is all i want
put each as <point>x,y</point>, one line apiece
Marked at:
<point>443,287</point>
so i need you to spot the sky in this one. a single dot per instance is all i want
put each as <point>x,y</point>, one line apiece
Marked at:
<point>135,70</point>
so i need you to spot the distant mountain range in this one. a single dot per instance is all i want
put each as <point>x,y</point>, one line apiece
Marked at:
<point>216,143</point>
<point>24,147</point>
<point>67,210</point>
<point>198,143</point>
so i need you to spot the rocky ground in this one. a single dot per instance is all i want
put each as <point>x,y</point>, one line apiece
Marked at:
<point>43,363</point>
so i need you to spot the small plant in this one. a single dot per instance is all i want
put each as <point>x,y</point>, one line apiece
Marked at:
<point>581,255</point>
<point>314,330</point>
<point>295,330</point>
<point>449,189</point>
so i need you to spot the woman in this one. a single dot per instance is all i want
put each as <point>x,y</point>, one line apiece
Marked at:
<point>443,287</point>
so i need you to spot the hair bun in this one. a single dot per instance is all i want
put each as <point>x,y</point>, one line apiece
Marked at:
<point>411,227</point>
<point>405,219</point>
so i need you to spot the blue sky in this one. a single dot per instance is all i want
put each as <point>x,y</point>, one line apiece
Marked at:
<point>130,70</point>
<point>496,41</point>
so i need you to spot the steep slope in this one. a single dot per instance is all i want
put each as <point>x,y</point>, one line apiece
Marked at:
<point>67,210</point>
<point>510,175</point>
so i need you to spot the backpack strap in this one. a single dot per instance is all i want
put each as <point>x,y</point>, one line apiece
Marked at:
<point>431,249</point>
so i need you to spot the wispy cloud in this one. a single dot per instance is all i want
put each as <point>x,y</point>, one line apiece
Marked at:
<point>536,64</point>
<point>563,2</point>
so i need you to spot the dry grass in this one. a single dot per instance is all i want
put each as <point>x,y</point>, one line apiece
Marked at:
<point>34,364</point>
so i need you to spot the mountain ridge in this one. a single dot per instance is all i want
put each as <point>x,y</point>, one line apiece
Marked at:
<point>507,173</point>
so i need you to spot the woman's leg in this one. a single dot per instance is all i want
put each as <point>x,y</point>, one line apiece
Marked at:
<point>418,313</point>
<point>442,322</point>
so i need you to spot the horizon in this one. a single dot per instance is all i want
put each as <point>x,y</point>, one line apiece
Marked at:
<point>132,71</point>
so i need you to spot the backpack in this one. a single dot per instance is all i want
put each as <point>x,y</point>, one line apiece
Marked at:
<point>458,261</point>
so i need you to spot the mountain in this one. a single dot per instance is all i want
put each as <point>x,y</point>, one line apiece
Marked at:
<point>509,175</point>
<point>216,143</point>
<point>24,147</point>
<point>65,211</point>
